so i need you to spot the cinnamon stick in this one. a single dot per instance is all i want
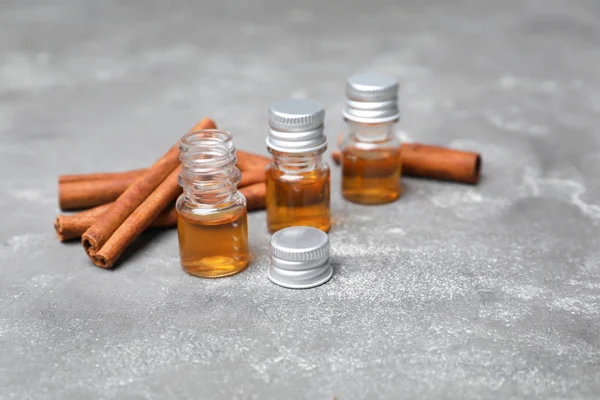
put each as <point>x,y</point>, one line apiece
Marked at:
<point>336,156</point>
<point>137,222</point>
<point>79,194</point>
<point>252,176</point>
<point>134,173</point>
<point>247,161</point>
<point>136,208</point>
<point>250,161</point>
<point>143,216</point>
<point>76,192</point>
<point>72,226</point>
<point>86,193</point>
<point>440,163</point>
<point>255,196</point>
<point>435,162</point>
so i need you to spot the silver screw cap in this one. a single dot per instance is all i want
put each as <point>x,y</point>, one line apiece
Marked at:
<point>296,126</point>
<point>371,98</point>
<point>299,258</point>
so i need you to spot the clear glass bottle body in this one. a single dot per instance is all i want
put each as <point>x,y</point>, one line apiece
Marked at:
<point>298,191</point>
<point>371,163</point>
<point>211,213</point>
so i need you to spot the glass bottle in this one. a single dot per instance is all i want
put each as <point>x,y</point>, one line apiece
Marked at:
<point>298,180</point>
<point>211,213</point>
<point>371,163</point>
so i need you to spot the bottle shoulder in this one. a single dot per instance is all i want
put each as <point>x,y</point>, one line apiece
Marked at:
<point>350,143</point>
<point>297,168</point>
<point>370,136</point>
<point>320,172</point>
<point>187,207</point>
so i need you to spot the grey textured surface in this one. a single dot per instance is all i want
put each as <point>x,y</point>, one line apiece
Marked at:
<point>454,292</point>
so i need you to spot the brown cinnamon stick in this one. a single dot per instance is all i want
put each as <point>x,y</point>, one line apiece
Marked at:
<point>80,194</point>
<point>137,222</point>
<point>436,162</point>
<point>136,208</point>
<point>250,161</point>
<point>440,163</point>
<point>76,192</point>
<point>72,226</point>
<point>134,173</point>
<point>255,196</point>
<point>247,161</point>
<point>86,193</point>
<point>252,176</point>
<point>143,216</point>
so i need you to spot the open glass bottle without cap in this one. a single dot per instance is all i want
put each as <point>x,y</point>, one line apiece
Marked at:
<point>211,213</point>
<point>298,180</point>
<point>371,164</point>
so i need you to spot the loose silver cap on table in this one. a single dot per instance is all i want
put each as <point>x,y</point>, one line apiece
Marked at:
<point>299,258</point>
<point>371,98</point>
<point>296,126</point>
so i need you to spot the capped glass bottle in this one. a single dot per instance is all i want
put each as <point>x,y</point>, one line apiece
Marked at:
<point>298,180</point>
<point>211,213</point>
<point>371,163</point>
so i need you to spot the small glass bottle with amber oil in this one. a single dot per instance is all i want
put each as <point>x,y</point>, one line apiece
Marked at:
<point>298,179</point>
<point>211,213</point>
<point>371,164</point>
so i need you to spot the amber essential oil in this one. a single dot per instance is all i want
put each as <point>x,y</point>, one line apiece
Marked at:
<point>213,246</point>
<point>301,199</point>
<point>371,177</point>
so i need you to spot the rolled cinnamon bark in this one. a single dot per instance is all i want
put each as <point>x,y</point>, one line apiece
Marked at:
<point>136,208</point>
<point>134,224</point>
<point>440,163</point>
<point>252,176</point>
<point>435,162</point>
<point>80,194</point>
<point>255,196</point>
<point>336,155</point>
<point>76,192</point>
<point>72,226</point>
<point>134,173</point>
<point>248,161</point>
<point>85,193</point>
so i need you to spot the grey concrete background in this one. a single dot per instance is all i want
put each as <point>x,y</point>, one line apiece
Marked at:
<point>454,292</point>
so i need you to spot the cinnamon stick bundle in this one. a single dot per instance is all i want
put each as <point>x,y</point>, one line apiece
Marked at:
<point>435,162</point>
<point>72,226</point>
<point>136,208</point>
<point>76,192</point>
<point>105,254</point>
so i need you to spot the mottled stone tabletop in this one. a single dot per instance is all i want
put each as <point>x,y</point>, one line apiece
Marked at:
<point>453,292</point>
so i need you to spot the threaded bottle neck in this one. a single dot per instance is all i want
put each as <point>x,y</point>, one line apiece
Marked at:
<point>372,132</point>
<point>208,175</point>
<point>297,163</point>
